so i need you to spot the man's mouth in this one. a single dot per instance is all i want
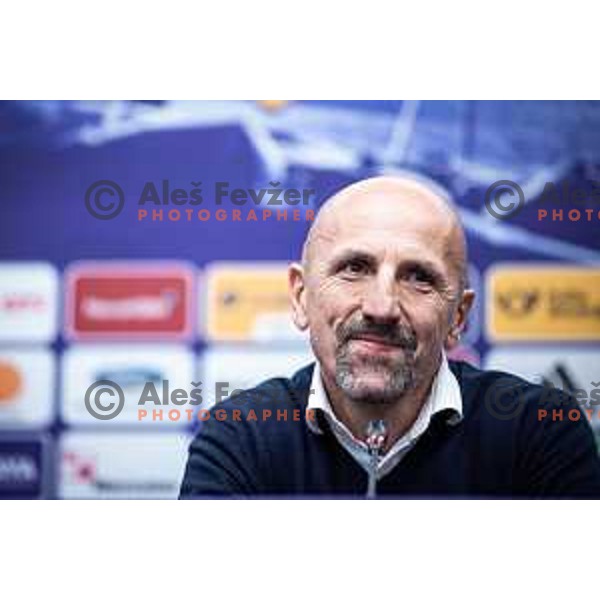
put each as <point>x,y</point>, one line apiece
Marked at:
<point>374,343</point>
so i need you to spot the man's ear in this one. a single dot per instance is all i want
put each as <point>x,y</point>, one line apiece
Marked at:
<point>460,319</point>
<point>297,291</point>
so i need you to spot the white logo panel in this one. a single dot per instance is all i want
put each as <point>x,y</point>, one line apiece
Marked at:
<point>28,302</point>
<point>134,368</point>
<point>122,465</point>
<point>225,369</point>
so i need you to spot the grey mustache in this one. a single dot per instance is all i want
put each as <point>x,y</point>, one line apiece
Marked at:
<point>385,333</point>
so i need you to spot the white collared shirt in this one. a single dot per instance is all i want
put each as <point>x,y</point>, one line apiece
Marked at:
<point>445,394</point>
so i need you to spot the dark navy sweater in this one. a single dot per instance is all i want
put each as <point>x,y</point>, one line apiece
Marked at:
<point>501,448</point>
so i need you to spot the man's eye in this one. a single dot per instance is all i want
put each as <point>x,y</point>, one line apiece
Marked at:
<point>355,267</point>
<point>420,277</point>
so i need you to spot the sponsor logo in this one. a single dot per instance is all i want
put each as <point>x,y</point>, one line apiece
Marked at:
<point>248,302</point>
<point>543,303</point>
<point>517,303</point>
<point>28,301</point>
<point>122,465</point>
<point>11,382</point>
<point>130,377</point>
<point>27,380</point>
<point>22,469</point>
<point>129,300</point>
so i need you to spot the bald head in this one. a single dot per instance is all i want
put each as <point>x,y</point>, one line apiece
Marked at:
<point>390,200</point>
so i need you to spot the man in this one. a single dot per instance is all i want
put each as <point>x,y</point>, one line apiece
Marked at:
<point>383,292</point>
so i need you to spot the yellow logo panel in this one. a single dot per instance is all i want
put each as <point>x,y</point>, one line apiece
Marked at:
<point>533,303</point>
<point>248,302</point>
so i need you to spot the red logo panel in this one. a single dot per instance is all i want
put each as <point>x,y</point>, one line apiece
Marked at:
<point>129,301</point>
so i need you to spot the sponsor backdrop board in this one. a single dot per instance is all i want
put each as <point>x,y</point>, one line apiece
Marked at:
<point>145,245</point>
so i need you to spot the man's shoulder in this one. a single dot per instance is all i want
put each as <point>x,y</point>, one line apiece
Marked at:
<point>469,375</point>
<point>502,395</point>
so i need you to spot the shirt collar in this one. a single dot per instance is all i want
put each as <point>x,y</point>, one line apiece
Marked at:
<point>445,395</point>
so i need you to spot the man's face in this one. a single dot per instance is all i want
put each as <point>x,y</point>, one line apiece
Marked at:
<point>379,297</point>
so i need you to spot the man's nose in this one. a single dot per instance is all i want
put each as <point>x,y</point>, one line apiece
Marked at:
<point>380,301</point>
